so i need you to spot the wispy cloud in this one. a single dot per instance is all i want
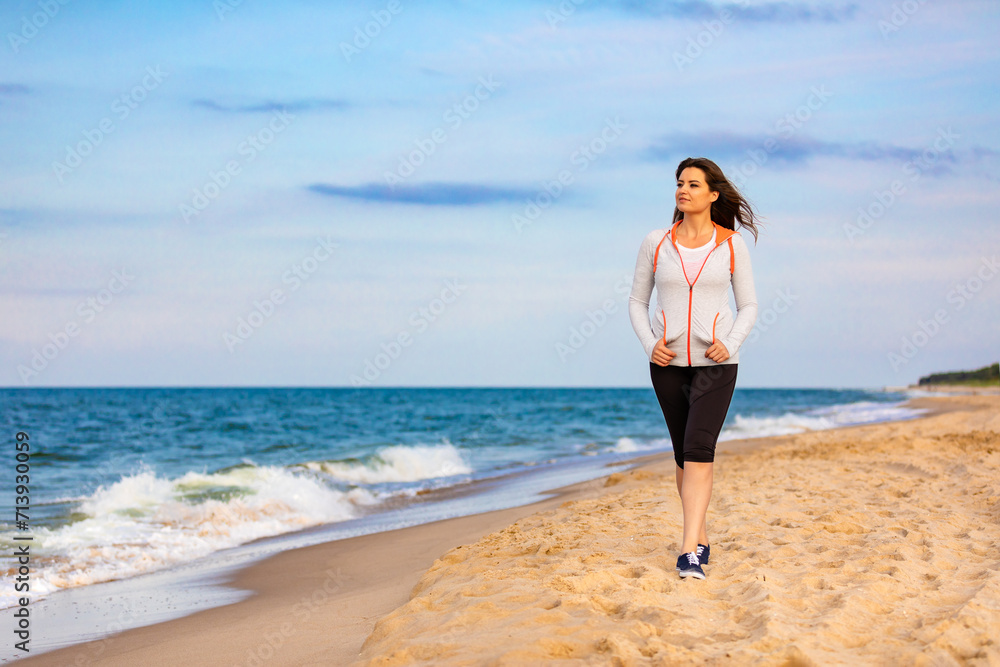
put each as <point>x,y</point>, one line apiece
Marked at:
<point>793,150</point>
<point>429,194</point>
<point>57,292</point>
<point>981,152</point>
<point>267,106</point>
<point>9,216</point>
<point>768,12</point>
<point>13,89</point>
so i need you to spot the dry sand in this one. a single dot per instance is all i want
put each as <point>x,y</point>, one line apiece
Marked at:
<point>865,545</point>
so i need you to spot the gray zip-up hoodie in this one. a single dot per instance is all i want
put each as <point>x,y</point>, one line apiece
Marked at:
<point>693,310</point>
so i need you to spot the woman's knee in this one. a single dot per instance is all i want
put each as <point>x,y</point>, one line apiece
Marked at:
<point>701,451</point>
<point>679,457</point>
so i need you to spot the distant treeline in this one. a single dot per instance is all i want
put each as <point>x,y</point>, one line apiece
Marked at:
<point>984,375</point>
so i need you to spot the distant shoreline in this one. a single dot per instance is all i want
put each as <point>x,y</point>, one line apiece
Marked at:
<point>974,389</point>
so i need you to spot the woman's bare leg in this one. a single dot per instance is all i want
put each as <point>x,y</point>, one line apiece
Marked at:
<point>695,489</point>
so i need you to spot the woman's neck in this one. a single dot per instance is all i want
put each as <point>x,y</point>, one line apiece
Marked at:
<point>695,225</point>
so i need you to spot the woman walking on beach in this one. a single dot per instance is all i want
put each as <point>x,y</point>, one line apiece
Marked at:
<point>694,340</point>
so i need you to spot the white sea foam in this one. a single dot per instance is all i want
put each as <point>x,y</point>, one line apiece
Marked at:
<point>743,426</point>
<point>628,445</point>
<point>625,445</point>
<point>145,522</point>
<point>757,427</point>
<point>399,463</point>
<point>924,393</point>
<point>862,412</point>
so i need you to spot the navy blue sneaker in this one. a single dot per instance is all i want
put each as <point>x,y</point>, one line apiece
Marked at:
<point>689,566</point>
<point>703,554</point>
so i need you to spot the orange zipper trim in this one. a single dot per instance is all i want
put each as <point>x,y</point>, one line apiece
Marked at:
<point>713,326</point>
<point>690,290</point>
<point>690,297</point>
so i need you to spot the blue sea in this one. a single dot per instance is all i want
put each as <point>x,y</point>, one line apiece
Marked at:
<point>127,481</point>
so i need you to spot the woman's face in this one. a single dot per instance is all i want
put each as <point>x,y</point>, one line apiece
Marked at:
<point>693,195</point>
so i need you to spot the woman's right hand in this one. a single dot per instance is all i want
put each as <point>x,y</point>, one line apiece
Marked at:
<point>662,355</point>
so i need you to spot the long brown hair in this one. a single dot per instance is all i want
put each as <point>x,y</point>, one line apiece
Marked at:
<point>731,206</point>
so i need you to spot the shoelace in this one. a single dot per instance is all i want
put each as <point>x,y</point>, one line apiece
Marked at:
<point>693,559</point>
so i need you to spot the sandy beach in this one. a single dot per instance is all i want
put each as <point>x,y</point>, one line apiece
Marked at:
<point>876,544</point>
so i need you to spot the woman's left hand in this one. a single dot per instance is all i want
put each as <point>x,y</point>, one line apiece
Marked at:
<point>717,352</point>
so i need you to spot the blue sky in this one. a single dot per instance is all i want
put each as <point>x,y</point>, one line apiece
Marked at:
<point>259,196</point>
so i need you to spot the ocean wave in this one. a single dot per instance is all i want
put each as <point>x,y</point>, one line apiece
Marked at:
<point>399,463</point>
<point>627,445</point>
<point>817,419</point>
<point>756,427</point>
<point>866,412</point>
<point>144,522</point>
<point>789,423</point>
<point>925,393</point>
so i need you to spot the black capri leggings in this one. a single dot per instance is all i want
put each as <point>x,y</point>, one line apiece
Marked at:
<point>694,401</point>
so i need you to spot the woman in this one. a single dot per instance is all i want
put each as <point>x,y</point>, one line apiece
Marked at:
<point>693,345</point>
